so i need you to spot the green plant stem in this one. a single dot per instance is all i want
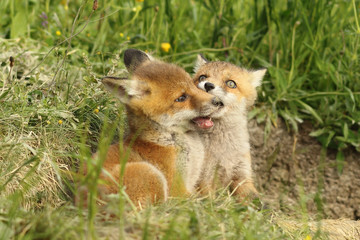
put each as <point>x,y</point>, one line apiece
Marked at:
<point>356,17</point>
<point>69,42</point>
<point>292,54</point>
<point>60,43</point>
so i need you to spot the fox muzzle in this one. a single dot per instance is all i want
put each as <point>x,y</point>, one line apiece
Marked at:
<point>217,102</point>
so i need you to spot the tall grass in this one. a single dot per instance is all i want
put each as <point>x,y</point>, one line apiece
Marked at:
<point>310,48</point>
<point>49,121</point>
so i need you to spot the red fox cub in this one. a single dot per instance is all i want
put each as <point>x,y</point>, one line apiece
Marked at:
<point>161,101</point>
<point>227,145</point>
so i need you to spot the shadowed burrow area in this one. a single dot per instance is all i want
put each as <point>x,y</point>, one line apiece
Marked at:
<point>294,173</point>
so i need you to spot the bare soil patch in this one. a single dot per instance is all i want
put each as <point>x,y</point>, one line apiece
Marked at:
<point>293,169</point>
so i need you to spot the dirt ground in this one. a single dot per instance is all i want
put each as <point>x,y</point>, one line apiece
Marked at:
<point>293,173</point>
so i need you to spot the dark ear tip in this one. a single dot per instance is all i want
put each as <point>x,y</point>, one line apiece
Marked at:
<point>131,52</point>
<point>133,58</point>
<point>202,57</point>
<point>128,55</point>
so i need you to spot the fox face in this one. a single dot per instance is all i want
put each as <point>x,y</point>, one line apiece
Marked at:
<point>234,86</point>
<point>163,93</point>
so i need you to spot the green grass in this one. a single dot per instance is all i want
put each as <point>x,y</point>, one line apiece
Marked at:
<point>311,50</point>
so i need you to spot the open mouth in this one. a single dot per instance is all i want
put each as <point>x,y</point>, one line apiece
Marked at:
<point>203,122</point>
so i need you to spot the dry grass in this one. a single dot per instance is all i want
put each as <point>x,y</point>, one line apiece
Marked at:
<point>339,229</point>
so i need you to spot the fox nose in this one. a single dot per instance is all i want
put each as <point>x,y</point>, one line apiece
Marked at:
<point>217,102</point>
<point>209,86</point>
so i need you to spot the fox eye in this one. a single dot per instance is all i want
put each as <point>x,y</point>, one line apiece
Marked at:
<point>202,78</point>
<point>182,98</point>
<point>230,84</point>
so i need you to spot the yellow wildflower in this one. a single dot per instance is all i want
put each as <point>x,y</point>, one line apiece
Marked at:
<point>136,9</point>
<point>96,110</point>
<point>65,4</point>
<point>139,0</point>
<point>98,53</point>
<point>128,38</point>
<point>308,237</point>
<point>88,35</point>
<point>60,122</point>
<point>121,34</point>
<point>48,122</point>
<point>165,47</point>
<point>58,33</point>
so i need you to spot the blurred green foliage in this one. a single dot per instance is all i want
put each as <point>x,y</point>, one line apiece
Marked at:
<point>310,48</point>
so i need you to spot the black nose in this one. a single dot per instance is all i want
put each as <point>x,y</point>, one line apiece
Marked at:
<point>217,102</point>
<point>209,86</point>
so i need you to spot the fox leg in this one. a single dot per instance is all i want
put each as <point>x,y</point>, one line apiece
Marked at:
<point>207,183</point>
<point>241,183</point>
<point>239,178</point>
<point>144,183</point>
<point>204,188</point>
<point>243,189</point>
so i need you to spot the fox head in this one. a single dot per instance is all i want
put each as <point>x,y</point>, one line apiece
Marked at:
<point>163,93</point>
<point>234,86</point>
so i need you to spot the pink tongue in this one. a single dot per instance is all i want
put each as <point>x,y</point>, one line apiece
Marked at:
<point>203,122</point>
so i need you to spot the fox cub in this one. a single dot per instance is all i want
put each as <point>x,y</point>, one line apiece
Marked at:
<point>161,102</point>
<point>227,146</point>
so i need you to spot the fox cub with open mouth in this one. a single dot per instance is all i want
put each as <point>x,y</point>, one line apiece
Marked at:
<point>161,102</point>
<point>227,146</point>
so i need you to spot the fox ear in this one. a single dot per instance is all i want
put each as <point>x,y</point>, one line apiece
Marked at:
<point>200,61</point>
<point>133,58</point>
<point>257,77</point>
<point>125,89</point>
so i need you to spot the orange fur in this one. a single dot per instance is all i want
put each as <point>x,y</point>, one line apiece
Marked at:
<point>155,115</point>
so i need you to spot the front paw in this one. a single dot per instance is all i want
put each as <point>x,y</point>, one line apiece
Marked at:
<point>244,191</point>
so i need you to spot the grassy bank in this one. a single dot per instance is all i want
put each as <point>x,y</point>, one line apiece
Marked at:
<point>47,130</point>
<point>311,49</point>
<point>53,108</point>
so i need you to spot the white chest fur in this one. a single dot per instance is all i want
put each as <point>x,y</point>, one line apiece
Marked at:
<point>190,159</point>
<point>227,146</point>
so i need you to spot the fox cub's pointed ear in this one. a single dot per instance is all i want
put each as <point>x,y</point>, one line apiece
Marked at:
<point>133,58</point>
<point>125,89</point>
<point>258,75</point>
<point>200,60</point>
